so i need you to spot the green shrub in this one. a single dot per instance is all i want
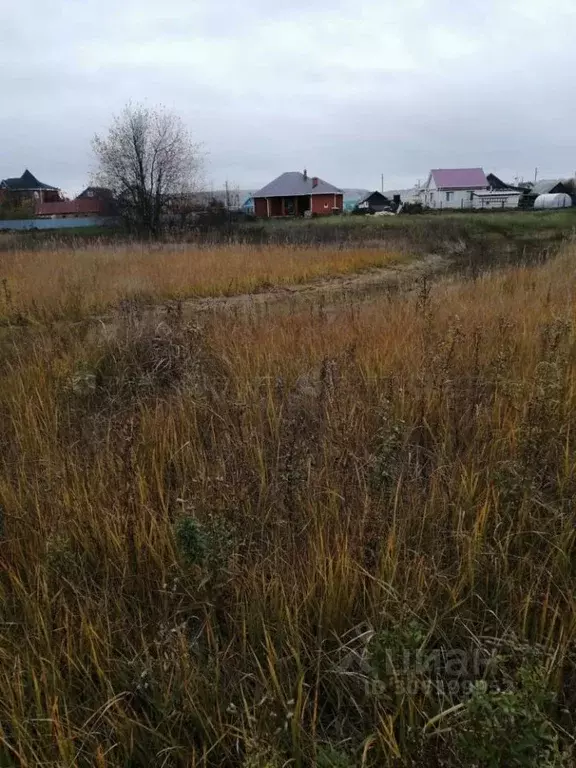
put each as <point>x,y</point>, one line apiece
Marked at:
<point>191,540</point>
<point>510,728</point>
<point>392,651</point>
<point>330,757</point>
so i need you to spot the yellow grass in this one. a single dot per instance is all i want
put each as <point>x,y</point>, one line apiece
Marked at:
<point>210,537</point>
<point>74,282</point>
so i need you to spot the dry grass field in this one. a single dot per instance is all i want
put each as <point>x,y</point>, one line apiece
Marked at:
<point>63,282</point>
<point>296,539</point>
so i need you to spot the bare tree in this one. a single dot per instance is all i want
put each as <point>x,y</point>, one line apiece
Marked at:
<point>149,161</point>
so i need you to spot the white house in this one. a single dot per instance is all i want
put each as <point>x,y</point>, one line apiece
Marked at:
<point>453,187</point>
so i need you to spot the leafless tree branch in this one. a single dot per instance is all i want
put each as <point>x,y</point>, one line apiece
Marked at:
<point>147,159</point>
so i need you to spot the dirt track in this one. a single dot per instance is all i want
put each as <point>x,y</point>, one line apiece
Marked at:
<point>330,291</point>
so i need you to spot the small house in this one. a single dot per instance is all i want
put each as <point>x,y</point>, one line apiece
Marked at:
<point>453,187</point>
<point>96,193</point>
<point>27,188</point>
<point>297,194</point>
<point>373,202</point>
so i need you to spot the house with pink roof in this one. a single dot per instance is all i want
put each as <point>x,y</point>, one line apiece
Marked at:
<point>453,187</point>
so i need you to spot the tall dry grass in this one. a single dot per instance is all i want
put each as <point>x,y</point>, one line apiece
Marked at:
<point>50,284</point>
<point>226,546</point>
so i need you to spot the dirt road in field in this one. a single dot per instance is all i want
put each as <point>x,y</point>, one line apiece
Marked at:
<point>327,291</point>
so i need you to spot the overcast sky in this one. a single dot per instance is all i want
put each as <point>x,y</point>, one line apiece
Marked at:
<point>349,90</point>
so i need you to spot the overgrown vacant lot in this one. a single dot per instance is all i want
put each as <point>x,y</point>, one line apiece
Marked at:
<point>46,276</point>
<point>431,225</point>
<point>41,285</point>
<point>311,540</point>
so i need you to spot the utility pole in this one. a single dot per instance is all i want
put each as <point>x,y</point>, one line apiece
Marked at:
<point>535,175</point>
<point>228,212</point>
<point>382,183</point>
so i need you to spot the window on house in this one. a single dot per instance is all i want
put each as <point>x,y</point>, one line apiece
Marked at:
<point>471,195</point>
<point>449,196</point>
<point>326,205</point>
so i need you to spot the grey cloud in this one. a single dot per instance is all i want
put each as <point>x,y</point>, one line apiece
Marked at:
<point>350,90</point>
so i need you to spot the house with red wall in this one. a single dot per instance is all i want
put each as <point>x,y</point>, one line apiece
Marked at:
<point>94,201</point>
<point>297,194</point>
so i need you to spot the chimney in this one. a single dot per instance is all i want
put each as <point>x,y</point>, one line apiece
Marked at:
<point>305,174</point>
<point>315,182</point>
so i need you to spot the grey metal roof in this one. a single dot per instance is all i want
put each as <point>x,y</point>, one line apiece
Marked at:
<point>545,186</point>
<point>369,195</point>
<point>294,184</point>
<point>26,182</point>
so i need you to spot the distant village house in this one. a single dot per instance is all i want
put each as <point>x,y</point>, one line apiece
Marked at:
<point>467,188</point>
<point>374,202</point>
<point>93,201</point>
<point>297,194</point>
<point>27,189</point>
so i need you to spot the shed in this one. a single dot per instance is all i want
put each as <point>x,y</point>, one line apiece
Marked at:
<point>373,202</point>
<point>496,198</point>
